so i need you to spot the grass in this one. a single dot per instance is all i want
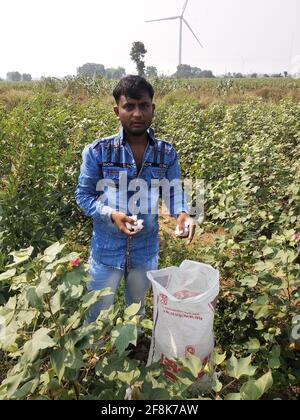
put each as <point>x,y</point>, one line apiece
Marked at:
<point>204,92</point>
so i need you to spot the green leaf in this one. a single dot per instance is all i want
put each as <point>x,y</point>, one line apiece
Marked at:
<point>260,307</point>
<point>66,292</point>
<point>233,397</point>
<point>123,335</point>
<point>76,292</point>
<point>19,282</point>
<point>218,359</point>
<point>57,358</point>
<point>159,394</point>
<point>153,394</point>
<point>33,298</point>
<point>284,256</point>
<point>11,383</point>
<point>229,264</point>
<point>92,297</point>
<point>192,363</point>
<point>260,326</point>
<point>76,277</point>
<point>82,336</point>
<point>129,377</point>
<point>267,251</point>
<point>56,302</point>
<point>249,281</point>
<point>238,368</point>
<point>66,259</point>
<point>185,377</point>
<point>71,374</point>
<point>27,389</point>
<point>107,395</point>
<point>44,286</point>
<point>51,252</point>
<point>39,341</point>
<point>147,324</point>
<point>114,363</point>
<point>20,256</point>
<point>8,274</point>
<point>274,358</point>
<point>264,266</point>
<point>74,360</point>
<point>217,385</point>
<point>253,345</point>
<point>132,310</point>
<point>27,317</point>
<point>8,311</point>
<point>73,322</point>
<point>254,390</point>
<point>8,335</point>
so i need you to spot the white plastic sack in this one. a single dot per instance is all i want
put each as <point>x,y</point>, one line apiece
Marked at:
<point>183,316</point>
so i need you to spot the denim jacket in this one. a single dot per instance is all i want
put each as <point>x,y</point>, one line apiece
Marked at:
<point>110,158</point>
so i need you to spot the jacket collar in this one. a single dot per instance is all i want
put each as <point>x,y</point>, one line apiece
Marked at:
<point>150,132</point>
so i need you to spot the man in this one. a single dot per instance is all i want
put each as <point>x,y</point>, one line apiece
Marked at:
<point>117,250</point>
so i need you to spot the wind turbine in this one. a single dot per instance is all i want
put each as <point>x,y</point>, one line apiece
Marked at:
<point>181,19</point>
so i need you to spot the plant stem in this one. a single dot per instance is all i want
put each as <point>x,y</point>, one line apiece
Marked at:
<point>228,385</point>
<point>76,389</point>
<point>52,315</point>
<point>288,281</point>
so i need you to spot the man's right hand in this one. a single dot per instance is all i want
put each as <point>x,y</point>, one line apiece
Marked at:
<point>120,220</point>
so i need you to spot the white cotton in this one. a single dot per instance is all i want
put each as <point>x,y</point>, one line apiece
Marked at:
<point>185,233</point>
<point>138,227</point>
<point>128,395</point>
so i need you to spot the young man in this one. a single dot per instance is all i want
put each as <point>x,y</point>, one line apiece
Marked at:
<point>136,156</point>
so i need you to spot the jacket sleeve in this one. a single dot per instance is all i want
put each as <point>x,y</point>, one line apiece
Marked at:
<point>87,196</point>
<point>177,197</point>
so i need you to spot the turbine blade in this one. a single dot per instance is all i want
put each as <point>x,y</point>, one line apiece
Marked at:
<point>187,24</point>
<point>158,20</point>
<point>184,7</point>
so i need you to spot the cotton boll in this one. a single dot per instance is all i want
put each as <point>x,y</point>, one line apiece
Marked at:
<point>129,226</point>
<point>135,228</point>
<point>128,394</point>
<point>140,225</point>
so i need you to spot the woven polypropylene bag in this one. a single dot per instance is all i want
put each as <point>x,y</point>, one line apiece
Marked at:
<point>183,314</point>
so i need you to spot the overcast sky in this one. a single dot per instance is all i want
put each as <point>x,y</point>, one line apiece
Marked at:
<point>54,37</point>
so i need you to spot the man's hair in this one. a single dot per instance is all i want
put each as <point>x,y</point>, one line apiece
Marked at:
<point>132,87</point>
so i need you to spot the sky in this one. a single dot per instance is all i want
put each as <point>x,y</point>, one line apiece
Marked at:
<point>55,37</point>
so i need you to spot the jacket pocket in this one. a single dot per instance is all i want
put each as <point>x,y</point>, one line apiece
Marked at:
<point>158,173</point>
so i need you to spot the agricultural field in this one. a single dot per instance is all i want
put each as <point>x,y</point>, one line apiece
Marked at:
<point>242,137</point>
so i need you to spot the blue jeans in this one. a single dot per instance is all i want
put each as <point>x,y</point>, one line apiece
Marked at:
<point>136,285</point>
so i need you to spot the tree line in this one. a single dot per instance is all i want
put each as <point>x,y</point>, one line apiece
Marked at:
<point>15,76</point>
<point>137,55</point>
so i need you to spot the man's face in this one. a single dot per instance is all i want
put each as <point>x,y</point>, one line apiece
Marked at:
<point>135,115</point>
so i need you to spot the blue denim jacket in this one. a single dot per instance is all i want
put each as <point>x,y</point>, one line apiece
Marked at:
<point>110,158</point>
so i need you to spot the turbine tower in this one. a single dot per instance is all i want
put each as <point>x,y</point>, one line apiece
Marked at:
<point>181,20</point>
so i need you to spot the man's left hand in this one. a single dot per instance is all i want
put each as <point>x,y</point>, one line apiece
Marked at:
<point>181,220</point>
